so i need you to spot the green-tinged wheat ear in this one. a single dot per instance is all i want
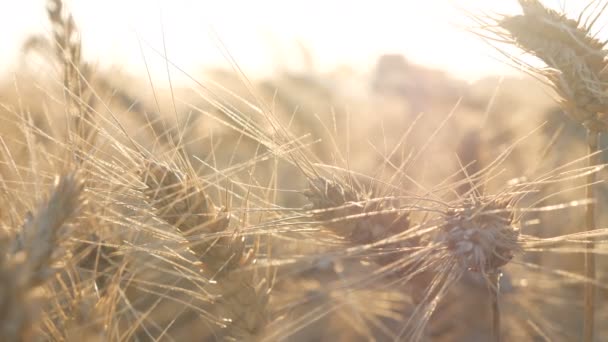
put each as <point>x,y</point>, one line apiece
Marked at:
<point>353,214</point>
<point>242,293</point>
<point>29,261</point>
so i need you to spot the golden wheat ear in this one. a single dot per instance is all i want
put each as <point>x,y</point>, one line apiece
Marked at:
<point>353,214</point>
<point>68,45</point>
<point>181,201</point>
<point>29,263</point>
<point>577,65</point>
<point>575,57</point>
<point>481,236</point>
<point>242,293</point>
<point>476,236</point>
<point>362,219</point>
<point>40,232</point>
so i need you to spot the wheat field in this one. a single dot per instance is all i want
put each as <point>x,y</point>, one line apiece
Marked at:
<point>309,206</point>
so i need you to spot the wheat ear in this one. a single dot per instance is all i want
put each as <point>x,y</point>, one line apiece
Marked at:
<point>481,236</point>
<point>577,71</point>
<point>576,59</point>
<point>28,265</point>
<point>181,201</point>
<point>68,46</point>
<point>352,213</point>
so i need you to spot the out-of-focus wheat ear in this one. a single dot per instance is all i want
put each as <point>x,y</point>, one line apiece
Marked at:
<point>40,231</point>
<point>242,293</point>
<point>29,263</point>
<point>577,71</point>
<point>244,300</point>
<point>68,46</point>
<point>13,315</point>
<point>353,214</point>
<point>181,201</point>
<point>178,198</point>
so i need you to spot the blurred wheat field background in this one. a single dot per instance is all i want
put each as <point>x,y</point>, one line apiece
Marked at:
<point>390,202</point>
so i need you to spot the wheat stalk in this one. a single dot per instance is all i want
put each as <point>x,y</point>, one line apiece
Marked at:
<point>576,62</point>
<point>593,140</point>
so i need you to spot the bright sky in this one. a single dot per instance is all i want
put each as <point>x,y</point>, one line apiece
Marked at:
<point>263,35</point>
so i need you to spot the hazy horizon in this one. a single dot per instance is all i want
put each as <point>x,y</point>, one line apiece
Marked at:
<point>269,34</point>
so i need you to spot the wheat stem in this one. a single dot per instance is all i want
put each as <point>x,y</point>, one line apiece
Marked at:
<point>494,293</point>
<point>593,138</point>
